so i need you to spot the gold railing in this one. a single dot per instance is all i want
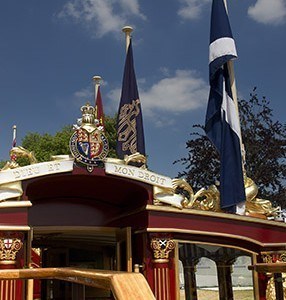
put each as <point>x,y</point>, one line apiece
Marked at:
<point>124,285</point>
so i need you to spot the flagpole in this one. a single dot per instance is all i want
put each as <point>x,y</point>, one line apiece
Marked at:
<point>230,67</point>
<point>231,75</point>
<point>127,30</point>
<point>240,208</point>
<point>96,80</point>
<point>14,136</point>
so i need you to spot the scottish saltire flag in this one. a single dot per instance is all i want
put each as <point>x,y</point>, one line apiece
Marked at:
<point>130,133</point>
<point>222,120</point>
<point>99,108</point>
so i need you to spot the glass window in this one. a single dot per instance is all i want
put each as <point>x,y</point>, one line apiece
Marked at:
<point>208,271</point>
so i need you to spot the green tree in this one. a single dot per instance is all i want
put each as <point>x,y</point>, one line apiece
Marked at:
<point>45,145</point>
<point>265,144</point>
<point>111,134</point>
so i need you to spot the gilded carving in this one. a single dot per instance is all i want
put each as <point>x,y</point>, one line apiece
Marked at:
<point>162,248</point>
<point>136,158</point>
<point>182,196</point>
<point>270,290</point>
<point>274,257</point>
<point>256,205</point>
<point>9,248</point>
<point>22,152</point>
<point>208,199</point>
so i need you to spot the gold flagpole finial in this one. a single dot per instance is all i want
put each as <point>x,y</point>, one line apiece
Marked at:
<point>127,30</point>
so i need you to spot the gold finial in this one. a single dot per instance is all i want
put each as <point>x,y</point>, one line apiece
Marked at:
<point>96,79</point>
<point>127,30</point>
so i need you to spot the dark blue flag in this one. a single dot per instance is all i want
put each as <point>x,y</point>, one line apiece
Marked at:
<point>130,133</point>
<point>222,119</point>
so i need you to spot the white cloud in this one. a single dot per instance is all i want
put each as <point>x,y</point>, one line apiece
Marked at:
<point>191,9</point>
<point>183,92</point>
<point>170,96</point>
<point>83,94</point>
<point>101,17</point>
<point>132,7</point>
<point>268,11</point>
<point>87,94</point>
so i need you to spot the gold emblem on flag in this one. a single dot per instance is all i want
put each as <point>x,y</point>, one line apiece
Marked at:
<point>127,126</point>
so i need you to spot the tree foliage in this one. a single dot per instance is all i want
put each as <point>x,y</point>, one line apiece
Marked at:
<point>45,145</point>
<point>110,131</point>
<point>265,152</point>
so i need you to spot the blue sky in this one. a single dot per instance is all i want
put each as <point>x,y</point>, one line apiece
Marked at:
<point>50,50</point>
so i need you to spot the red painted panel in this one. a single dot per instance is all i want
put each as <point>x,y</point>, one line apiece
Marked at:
<point>263,233</point>
<point>13,216</point>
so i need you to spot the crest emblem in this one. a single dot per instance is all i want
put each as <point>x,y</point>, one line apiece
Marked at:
<point>88,144</point>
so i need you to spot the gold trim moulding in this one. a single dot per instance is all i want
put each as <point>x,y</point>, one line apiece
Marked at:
<point>16,204</point>
<point>14,228</point>
<point>74,229</point>
<point>7,262</point>
<point>160,260</point>
<point>253,253</point>
<point>218,234</point>
<point>213,214</point>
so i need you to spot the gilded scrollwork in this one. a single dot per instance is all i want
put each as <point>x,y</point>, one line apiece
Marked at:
<point>9,248</point>
<point>274,257</point>
<point>13,190</point>
<point>208,199</point>
<point>17,152</point>
<point>256,205</point>
<point>162,248</point>
<point>270,290</point>
<point>182,196</point>
<point>22,152</point>
<point>136,159</point>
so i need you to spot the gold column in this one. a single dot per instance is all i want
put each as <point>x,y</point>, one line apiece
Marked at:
<point>9,248</point>
<point>161,249</point>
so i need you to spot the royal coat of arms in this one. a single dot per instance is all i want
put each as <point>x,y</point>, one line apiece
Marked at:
<point>88,144</point>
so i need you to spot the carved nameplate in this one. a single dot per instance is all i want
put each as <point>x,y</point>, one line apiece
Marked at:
<point>36,170</point>
<point>138,174</point>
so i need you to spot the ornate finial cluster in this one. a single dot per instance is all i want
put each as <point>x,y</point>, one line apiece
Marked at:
<point>9,248</point>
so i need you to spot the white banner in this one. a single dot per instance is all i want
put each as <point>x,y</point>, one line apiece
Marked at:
<point>138,174</point>
<point>36,170</point>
